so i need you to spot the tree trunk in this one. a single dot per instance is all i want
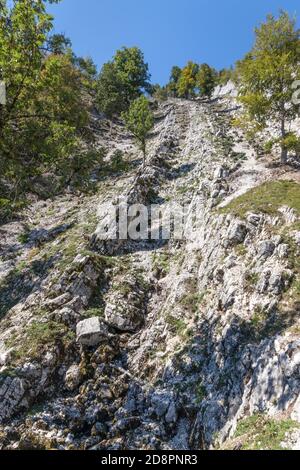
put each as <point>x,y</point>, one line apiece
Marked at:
<point>284,155</point>
<point>144,154</point>
<point>284,152</point>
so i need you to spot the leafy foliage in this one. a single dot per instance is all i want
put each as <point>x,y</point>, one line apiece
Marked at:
<point>139,120</point>
<point>267,74</point>
<point>121,81</point>
<point>43,123</point>
<point>188,80</point>
<point>206,80</point>
<point>174,79</point>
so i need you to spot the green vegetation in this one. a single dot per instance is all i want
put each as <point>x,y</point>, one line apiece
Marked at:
<point>240,250</point>
<point>225,75</point>
<point>192,301</point>
<point>37,336</point>
<point>7,373</point>
<point>94,312</point>
<point>19,282</point>
<point>265,324</point>
<point>267,198</point>
<point>266,77</point>
<point>188,80</point>
<point>122,81</point>
<point>201,393</point>
<point>172,87</point>
<point>161,264</point>
<point>139,121</point>
<point>259,432</point>
<point>23,238</point>
<point>118,162</point>
<point>46,138</point>
<point>291,298</point>
<point>179,326</point>
<point>206,80</point>
<point>43,126</point>
<point>251,279</point>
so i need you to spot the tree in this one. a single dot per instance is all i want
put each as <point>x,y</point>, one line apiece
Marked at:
<point>121,81</point>
<point>131,67</point>
<point>110,92</point>
<point>160,93</point>
<point>139,121</point>
<point>206,80</point>
<point>267,74</point>
<point>188,80</point>
<point>58,44</point>
<point>225,75</point>
<point>43,123</point>
<point>174,79</point>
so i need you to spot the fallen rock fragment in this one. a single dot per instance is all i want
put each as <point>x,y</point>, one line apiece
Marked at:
<point>91,332</point>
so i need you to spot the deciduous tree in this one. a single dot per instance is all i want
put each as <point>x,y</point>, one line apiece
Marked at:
<point>139,121</point>
<point>121,81</point>
<point>188,80</point>
<point>206,80</point>
<point>267,74</point>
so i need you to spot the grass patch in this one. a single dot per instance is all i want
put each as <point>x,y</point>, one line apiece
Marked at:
<point>192,301</point>
<point>238,156</point>
<point>265,325</point>
<point>258,432</point>
<point>23,238</point>
<point>94,312</point>
<point>240,250</point>
<point>179,326</point>
<point>251,280</point>
<point>267,198</point>
<point>39,335</point>
<point>7,373</point>
<point>291,298</point>
<point>161,264</point>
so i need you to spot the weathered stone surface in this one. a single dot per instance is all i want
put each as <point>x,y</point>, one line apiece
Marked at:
<point>212,340</point>
<point>91,332</point>
<point>237,234</point>
<point>73,377</point>
<point>125,305</point>
<point>265,249</point>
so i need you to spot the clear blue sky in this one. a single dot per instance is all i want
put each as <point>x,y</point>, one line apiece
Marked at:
<point>170,32</point>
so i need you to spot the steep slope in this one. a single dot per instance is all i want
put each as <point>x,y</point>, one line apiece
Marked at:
<point>192,335</point>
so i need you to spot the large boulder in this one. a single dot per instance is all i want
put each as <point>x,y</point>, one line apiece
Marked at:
<point>91,332</point>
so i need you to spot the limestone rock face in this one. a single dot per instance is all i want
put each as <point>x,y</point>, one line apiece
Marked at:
<point>125,305</point>
<point>91,332</point>
<point>113,344</point>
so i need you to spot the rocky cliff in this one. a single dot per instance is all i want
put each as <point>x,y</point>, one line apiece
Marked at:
<point>185,344</point>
